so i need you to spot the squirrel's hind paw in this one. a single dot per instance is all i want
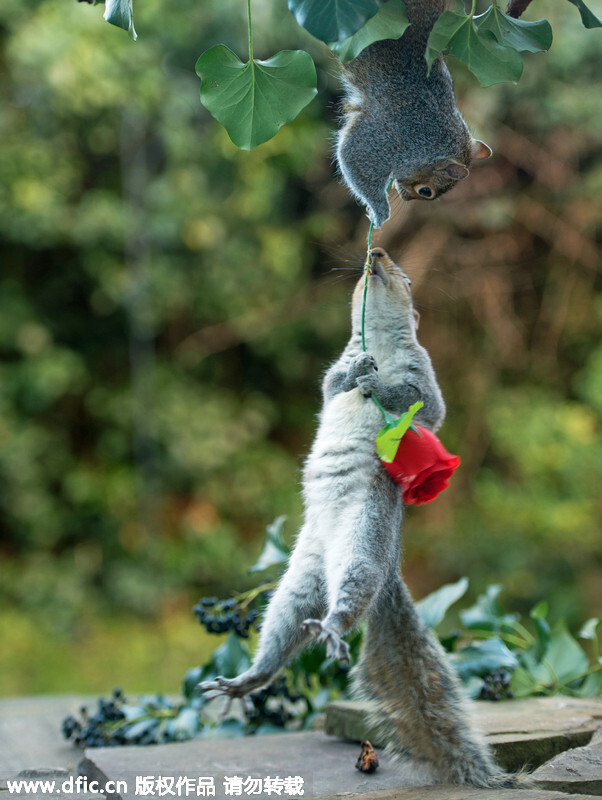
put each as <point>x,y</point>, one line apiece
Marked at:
<point>335,646</point>
<point>231,687</point>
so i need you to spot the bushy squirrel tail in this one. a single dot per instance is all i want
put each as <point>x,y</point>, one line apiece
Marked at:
<point>422,710</point>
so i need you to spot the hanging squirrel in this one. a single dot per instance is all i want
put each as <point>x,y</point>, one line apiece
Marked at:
<point>345,564</point>
<point>400,122</point>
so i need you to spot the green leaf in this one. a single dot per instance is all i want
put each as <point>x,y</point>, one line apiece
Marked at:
<point>589,19</point>
<point>390,22</point>
<point>254,100</point>
<point>563,661</point>
<point>231,658</point>
<point>481,658</point>
<point>191,679</point>
<point>516,33</point>
<point>120,13</point>
<point>389,437</point>
<point>489,61</point>
<point>226,729</point>
<point>433,607</point>
<point>486,614</point>
<point>538,615</point>
<point>523,684</point>
<point>589,629</point>
<point>565,655</point>
<point>591,686</point>
<point>184,726</point>
<point>275,552</point>
<point>333,20</point>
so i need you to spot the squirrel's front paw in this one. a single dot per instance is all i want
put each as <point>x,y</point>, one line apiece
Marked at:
<point>335,646</point>
<point>362,363</point>
<point>368,383</point>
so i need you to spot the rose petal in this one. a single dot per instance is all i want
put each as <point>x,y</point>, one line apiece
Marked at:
<point>422,466</point>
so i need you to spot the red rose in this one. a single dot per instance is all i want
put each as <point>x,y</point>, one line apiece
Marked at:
<point>422,466</point>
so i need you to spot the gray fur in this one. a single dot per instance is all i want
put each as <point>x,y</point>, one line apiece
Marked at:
<point>399,121</point>
<point>345,565</point>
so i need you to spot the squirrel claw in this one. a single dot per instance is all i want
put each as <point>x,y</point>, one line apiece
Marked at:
<point>231,687</point>
<point>335,646</point>
<point>367,384</point>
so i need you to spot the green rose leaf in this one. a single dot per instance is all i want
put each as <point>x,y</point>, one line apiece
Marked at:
<point>589,19</point>
<point>254,100</point>
<point>390,22</point>
<point>333,20</point>
<point>516,33</point>
<point>388,438</point>
<point>457,34</point>
<point>119,12</point>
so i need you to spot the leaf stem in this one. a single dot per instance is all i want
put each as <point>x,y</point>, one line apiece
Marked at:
<point>247,597</point>
<point>367,270</point>
<point>250,27</point>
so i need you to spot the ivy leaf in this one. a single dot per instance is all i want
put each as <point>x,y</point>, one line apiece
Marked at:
<point>232,657</point>
<point>254,100</point>
<point>333,20</point>
<point>458,35</point>
<point>481,658</point>
<point>388,438</point>
<point>538,615</point>
<point>591,686</point>
<point>523,684</point>
<point>390,22</point>
<point>589,629</point>
<point>516,33</point>
<point>563,661</point>
<point>589,19</point>
<point>275,551</point>
<point>120,13</point>
<point>486,614</point>
<point>433,608</point>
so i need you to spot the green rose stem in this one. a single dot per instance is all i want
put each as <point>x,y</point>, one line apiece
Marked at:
<point>368,271</point>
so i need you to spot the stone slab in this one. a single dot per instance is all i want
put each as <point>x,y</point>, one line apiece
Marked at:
<point>577,770</point>
<point>326,765</point>
<point>463,793</point>
<point>522,733</point>
<point>30,733</point>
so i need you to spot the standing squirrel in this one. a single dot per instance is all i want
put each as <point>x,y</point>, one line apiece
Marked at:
<point>400,122</point>
<point>345,565</point>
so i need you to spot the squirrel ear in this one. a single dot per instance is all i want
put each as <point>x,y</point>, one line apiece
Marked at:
<point>480,150</point>
<point>455,170</point>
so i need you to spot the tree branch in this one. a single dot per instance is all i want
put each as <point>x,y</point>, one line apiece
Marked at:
<point>517,7</point>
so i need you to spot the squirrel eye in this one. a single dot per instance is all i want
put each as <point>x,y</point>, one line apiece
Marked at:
<point>407,280</point>
<point>423,190</point>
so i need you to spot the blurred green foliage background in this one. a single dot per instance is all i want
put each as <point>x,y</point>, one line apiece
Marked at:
<point>168,305</point>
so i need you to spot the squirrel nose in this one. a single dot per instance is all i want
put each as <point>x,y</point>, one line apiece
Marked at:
<point>377,252</point>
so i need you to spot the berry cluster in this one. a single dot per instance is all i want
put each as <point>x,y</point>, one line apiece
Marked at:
<point>99,729</point>
<point>116,722</point>
<point>220,616</point>
<point>275,705</point>
<point>496,685</point>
